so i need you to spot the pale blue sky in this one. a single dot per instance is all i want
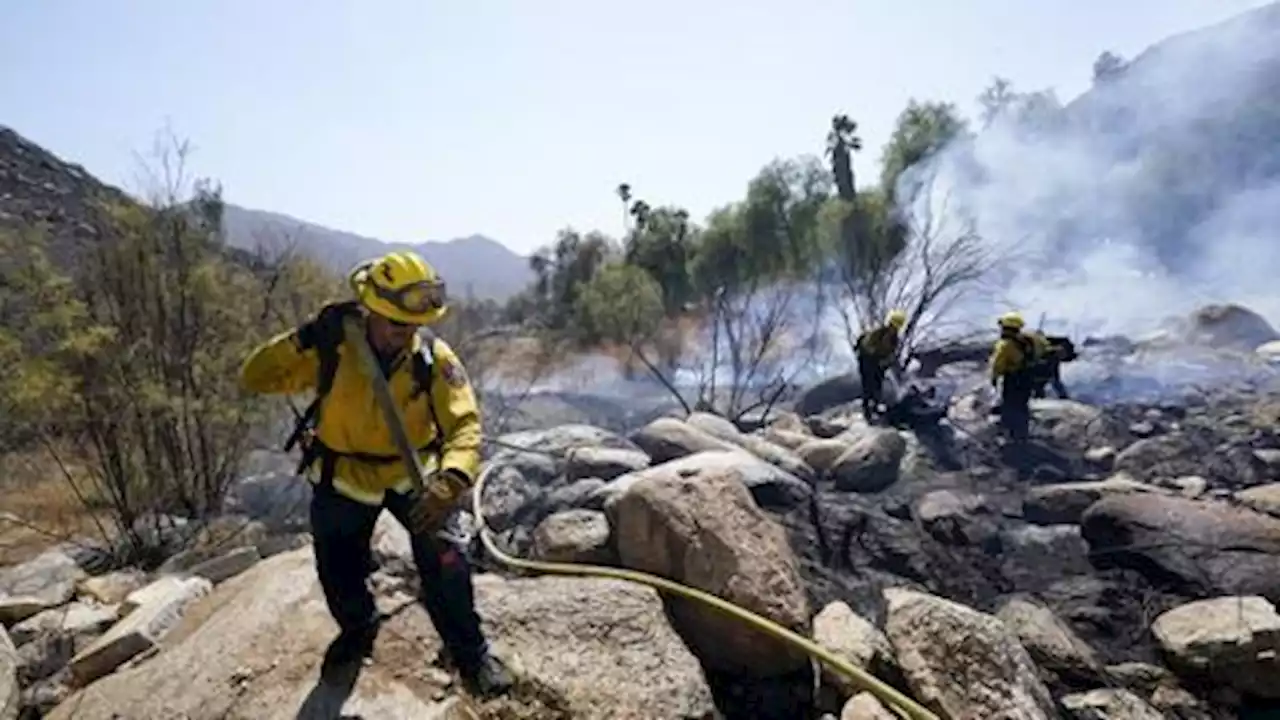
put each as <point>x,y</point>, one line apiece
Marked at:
<point>423,120</point>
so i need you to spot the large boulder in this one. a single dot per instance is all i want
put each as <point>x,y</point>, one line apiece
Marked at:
<point>1233,641</point>
<point>704,529</point>
<point>871,463</point>
<point>1072,424</point>
<point>1066,502</point>
<point>668,439</point>
<point>253,649</point>
<point>770,452</point>
<point>963,663</point>
<point>829,393</point>
<point>1208,547</point>
<point>769,485</point>
<point>559,440</point>
<point>1228,326</point>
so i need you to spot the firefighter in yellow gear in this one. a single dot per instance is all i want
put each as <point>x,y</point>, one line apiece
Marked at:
<point>1013,360</point>
<point>360,471</point>
<point>877,352</point>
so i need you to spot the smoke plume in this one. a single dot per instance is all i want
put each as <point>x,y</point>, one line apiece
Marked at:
<point>1152,194</point>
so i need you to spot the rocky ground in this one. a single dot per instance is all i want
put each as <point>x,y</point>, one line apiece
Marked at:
<point>1124,564</point>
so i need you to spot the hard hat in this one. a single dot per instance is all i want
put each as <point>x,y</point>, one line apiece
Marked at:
<point>1011,321</point>
<point>401,287</point>
<point>896,318</point>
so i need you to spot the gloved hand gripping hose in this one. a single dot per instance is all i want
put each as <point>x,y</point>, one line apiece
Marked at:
<point>904,706</point>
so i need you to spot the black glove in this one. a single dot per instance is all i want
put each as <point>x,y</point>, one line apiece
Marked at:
<point>326,328</point>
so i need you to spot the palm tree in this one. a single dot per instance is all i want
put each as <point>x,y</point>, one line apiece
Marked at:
<point>624,194</point>
<point>842,142</point>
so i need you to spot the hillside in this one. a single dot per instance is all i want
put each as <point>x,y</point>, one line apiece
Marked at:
<point>472,265</point>
<point>39,188</point>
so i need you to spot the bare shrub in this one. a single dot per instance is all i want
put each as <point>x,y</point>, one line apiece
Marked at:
<point>932,260</point>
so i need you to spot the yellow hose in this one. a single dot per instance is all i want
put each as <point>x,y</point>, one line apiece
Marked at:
<point>903,705</point>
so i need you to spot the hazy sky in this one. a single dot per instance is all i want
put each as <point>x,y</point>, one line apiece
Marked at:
<point>423,120</point>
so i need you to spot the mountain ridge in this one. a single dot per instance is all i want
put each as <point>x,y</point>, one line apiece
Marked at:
<point>475,265</point>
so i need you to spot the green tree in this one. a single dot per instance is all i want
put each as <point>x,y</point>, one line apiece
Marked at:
<point>561,271</point>
<point>922,128</point>
<point>780,217</point>
<point>662,244</point>
<point>621,304</point>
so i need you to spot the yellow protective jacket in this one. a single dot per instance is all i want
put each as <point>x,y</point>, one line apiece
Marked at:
<point>880,344</point>
<point>350,419</point>
<point>1012,355</point>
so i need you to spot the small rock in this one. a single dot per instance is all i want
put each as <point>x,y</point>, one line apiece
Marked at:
<point>580,536</point>
<point>152,612</point>
<point>1189,486</point>
<point>10,693</point>
<point>1269,457</point>
<point>839,629</point>
<point>1102,457</point>
<point>1263,498</point>
<point>603,463</point>
<point>1142,429</point>
<point>865,706</point>
<point>77,618</point>
<point>229,565</point>
<point>1051,642</point>
<point>47,580</point>
<point>114,587</point>
<point>1108,704</point>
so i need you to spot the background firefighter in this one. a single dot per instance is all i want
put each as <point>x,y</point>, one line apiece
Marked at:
<point>361,473</point>
<point>877,352</point>
<point>1012,361</point>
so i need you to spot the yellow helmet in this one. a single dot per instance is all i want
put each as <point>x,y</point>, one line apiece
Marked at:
<point>1011,321</point>
<point>896,319</point>
<point>401,287</point>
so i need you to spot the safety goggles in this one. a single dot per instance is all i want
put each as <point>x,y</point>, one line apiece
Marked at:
<point>418,298</point>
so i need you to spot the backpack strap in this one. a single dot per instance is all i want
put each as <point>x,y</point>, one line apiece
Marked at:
<point>423,368</point>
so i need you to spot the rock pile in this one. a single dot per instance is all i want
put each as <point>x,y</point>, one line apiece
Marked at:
<point>1122,565</point>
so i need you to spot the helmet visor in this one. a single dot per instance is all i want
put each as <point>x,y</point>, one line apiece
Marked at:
<point>415,299</point>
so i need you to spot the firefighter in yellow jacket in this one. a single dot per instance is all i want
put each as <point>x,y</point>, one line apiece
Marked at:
<point>1013,360</point>
<point>360,471</point>
<point>877,351</point>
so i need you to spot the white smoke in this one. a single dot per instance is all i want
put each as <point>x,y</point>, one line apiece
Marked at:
<point>1086,218</point>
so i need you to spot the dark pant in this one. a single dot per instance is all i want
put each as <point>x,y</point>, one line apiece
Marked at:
<point>871,374</point>
<point>343,530</point>
<point>1015,410</point>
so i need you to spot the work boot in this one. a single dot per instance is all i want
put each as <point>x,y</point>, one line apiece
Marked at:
<point>488,678</point>
<point>352,645</point>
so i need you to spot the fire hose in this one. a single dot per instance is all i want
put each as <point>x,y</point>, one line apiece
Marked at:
<point>904,706</point>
